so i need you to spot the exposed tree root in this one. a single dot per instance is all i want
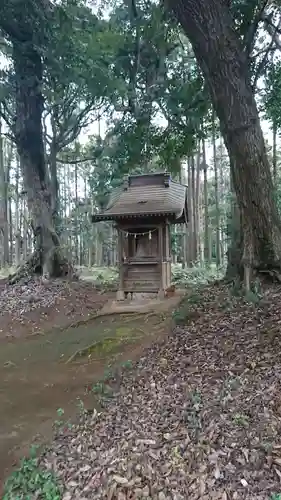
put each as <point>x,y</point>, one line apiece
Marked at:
<point>269,275</point>
<point>86,350</point>
<point>59,267</point>
<point>133,316</point>
<point>274,274</point>
<point>26,269</point>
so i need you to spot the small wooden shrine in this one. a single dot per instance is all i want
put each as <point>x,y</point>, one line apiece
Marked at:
<point>143,210</point>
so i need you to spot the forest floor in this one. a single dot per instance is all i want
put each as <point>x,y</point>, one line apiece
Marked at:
<point>197,415</point>
<point>33,306</point>
<point>38,339</point>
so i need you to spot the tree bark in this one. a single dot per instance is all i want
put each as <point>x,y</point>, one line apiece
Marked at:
<point>234,253</point>
<point>54,188</point>
<point>274,153</point>
<point>54,173</point>
<point>207,246</point>
<point>194,210</point>
<point>17,215</point>
<point>210,28</point>
<point>4,225</point>
<point>217,196</point>
<point>48,258</point>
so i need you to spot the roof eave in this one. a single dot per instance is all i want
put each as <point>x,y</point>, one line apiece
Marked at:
<point>112,216</point>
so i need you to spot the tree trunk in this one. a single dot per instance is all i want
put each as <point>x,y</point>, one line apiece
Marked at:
<point>10,244</point>
<point>17,215</point>
<point>210,28</point>
<point>76,233</point>
<point>224,189</point>
<point>197,203</point>
<point>274,153</point>
<point>54,187</point>
<point>194,210</point>
<point>47,258</point>
<point>207,246</point>
<point>217,203</point>
<point>234,253</point>
<point>5,162</point>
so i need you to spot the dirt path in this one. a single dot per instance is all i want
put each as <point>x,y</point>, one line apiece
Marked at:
<point>198,416</point>
<point>36,379</point>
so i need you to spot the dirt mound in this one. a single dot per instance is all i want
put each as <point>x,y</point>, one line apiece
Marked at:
<point>199,416</point>
<point>35,305</point>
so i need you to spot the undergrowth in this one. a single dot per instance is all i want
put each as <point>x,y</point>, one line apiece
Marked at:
<point>196,275</point>
<point>108,276</point>
<point>29,481</point>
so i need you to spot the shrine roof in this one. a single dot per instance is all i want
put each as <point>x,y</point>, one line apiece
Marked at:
<point>147,195</point>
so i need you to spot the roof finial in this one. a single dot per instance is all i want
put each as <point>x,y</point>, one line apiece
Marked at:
<point>126,183</point>
<point>167,179</point>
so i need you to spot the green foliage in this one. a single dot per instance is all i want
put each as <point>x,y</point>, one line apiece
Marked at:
<point>272,95</point>
<point>160,99</point>
<point>252,297</point>
<point>100,275</point>
<point>196,275</point>
<point>30,481</point>
<point>127,365</point>
<point>241,420</point>
<point>191,276</point>
<point>78,52</point>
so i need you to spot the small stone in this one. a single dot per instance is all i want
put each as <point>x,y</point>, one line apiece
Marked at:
<point>148,442</point>
<point>120,480</point>
<point>67,496</point>
<point>167,436</point>
<point>244,482</point>
<point>145,492</point>
<point>138,493</point>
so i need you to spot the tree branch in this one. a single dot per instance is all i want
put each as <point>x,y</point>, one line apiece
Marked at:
<point>251,33</point>
<point>74,162</point>
<point>262,64</point>
<point>134,68</point>
<point>273,31</point>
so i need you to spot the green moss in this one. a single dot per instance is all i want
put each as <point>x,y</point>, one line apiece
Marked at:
<point>123,331</point>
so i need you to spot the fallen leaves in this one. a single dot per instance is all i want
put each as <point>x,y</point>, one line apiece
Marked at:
<point>33,305</point>
<point>28,294</point>
<point>203,424</point>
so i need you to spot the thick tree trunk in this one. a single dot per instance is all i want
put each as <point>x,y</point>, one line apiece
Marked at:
<point>29,139</point>
<point>54,172</point>
<point>234,268</point>
<point>54,189</point>
<point>210,29</point>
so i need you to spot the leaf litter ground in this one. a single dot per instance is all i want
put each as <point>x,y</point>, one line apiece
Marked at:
<point>32,305</point>
<point>198,417</point>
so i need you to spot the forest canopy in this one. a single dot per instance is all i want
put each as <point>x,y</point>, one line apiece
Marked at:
<point>167,98</point>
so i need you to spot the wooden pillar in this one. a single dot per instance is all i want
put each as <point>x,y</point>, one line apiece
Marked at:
<point>120,292</point>
<point>161,292</point>
<point>168,255</point>
<point>167,241</point>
